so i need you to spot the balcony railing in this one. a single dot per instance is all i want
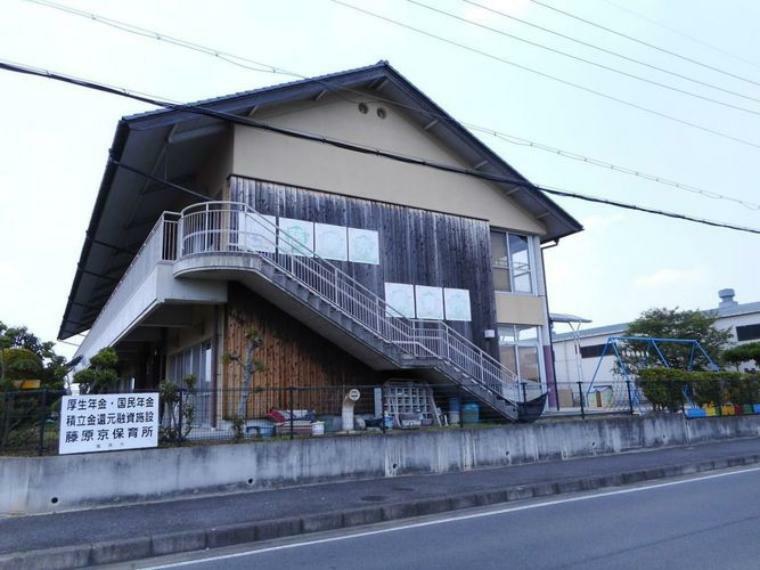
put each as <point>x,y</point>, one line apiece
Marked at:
<point>232,227</point>
<point>118,313</point>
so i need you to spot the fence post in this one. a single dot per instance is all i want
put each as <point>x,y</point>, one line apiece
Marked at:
<point>524,392</point>
<point>630,398</point>
<point>43,421</point>
<point>580,393</point>
<point>179,419</point>
<point>461,409</point>
<point>290,389</point>
<point>382,409</point>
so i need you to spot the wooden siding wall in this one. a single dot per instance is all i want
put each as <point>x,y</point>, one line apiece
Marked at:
<point>416,246</point>
<point>293,355</point>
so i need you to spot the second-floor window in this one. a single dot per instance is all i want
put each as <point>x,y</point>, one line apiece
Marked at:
<point>511,262</point>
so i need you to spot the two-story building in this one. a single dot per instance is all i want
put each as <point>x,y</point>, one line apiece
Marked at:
<point>352,267</point>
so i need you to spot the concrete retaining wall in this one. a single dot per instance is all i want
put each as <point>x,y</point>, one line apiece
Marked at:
<point>49,484</point>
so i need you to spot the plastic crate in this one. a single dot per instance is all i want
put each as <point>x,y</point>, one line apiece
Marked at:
<point>695,413</point>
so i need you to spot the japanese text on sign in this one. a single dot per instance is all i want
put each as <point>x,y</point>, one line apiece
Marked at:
<point>108,422</point>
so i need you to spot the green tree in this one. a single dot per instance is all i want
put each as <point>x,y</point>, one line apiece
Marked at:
<point>673,323</point>
<point>743,353</point>
<point>23,355</point>
<point>101,375</point>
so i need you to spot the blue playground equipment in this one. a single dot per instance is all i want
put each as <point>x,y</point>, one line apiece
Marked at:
<point>649,351</point>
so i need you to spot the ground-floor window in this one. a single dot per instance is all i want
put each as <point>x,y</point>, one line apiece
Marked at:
<point>198,361</point>
<point>519,350</point>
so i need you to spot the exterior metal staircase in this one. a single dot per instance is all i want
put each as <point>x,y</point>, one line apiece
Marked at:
<point>232,240</point>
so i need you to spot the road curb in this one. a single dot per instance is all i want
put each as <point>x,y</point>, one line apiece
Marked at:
<point>162,544</point>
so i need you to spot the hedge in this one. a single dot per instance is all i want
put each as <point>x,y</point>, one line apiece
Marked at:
<point>668,388</point>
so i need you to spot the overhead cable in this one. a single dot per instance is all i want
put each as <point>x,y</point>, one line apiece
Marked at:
<point>567,82</point>
<point>339,90</point>
<point>645,43</point>
<point>353,147</point>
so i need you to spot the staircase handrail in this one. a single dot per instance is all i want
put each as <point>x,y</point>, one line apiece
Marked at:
<point>490,373</point>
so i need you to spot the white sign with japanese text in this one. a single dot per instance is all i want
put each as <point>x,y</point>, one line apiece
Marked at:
<point>108,422</point>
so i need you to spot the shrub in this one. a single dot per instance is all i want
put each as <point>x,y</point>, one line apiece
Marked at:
<point>101,376</point>
<point>21,364</point>
<point>664,387</point>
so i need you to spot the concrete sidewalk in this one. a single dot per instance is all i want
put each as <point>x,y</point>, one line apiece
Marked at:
<point>106,535</point>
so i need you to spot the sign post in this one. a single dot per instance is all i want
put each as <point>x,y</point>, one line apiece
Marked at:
<point>108,422</point>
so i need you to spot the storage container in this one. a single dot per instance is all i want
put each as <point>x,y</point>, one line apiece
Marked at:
<point>471,413</point>
<point>695,413</point>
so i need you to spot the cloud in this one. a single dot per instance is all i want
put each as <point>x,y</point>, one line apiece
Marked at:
<point>668,276</point>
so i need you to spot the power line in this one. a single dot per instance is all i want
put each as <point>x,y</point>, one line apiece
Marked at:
<point>683,34</point>
<point>610,52</point>
<point>647,44</point>
<point>552,77</point>
<point>353,147</point>
<point>584,60</point>
<point>623,169</point>
<point>338,89</point>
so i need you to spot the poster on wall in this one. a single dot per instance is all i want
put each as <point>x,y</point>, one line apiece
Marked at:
<point>331,241</point>
<point>429,302</point>
<point>108,422</point>
<point>257,232</point>
<point>457,304</point>
<point>294,233</point>
<point>400,298</point>
<point>363,246</point>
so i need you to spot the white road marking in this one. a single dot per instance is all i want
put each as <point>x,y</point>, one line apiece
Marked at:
<point>457,518</point>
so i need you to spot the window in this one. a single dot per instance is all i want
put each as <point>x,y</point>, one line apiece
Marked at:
<point>748,332</point>
<point>511,262</point>
<point>519,348</point>
<point>592,351</point>
<point>198,361</point>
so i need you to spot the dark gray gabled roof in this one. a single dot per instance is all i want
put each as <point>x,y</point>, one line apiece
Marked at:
<point>141,137</point>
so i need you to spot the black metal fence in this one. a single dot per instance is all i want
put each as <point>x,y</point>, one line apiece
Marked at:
<point>727,396</point>
<point>29,421</point>
<point>292,412</point>
<point>581,399</point>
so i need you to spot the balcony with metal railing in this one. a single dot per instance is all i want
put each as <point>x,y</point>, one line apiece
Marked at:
<point>146,284</point>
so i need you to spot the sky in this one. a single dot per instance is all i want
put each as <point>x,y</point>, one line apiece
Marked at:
<point>54,138</point>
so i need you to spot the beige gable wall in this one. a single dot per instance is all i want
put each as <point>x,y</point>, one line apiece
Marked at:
<point>278,158</point>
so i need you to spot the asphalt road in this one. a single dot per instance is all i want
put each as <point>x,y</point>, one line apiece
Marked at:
<point>704,522</point>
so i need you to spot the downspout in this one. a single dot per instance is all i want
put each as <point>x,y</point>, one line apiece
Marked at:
<point>551,340</point>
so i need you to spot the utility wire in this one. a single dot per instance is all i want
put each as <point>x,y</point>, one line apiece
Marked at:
<point>682,34</point>
<point>551,77</point>
<point>644,43</point>
<point>584,60</point>
<point>610,52</point>
<point>353,147</point>
<point>242,61</point>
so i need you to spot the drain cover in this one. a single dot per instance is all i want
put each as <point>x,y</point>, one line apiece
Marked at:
<point>403,488</point>
<point>373,498</point>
